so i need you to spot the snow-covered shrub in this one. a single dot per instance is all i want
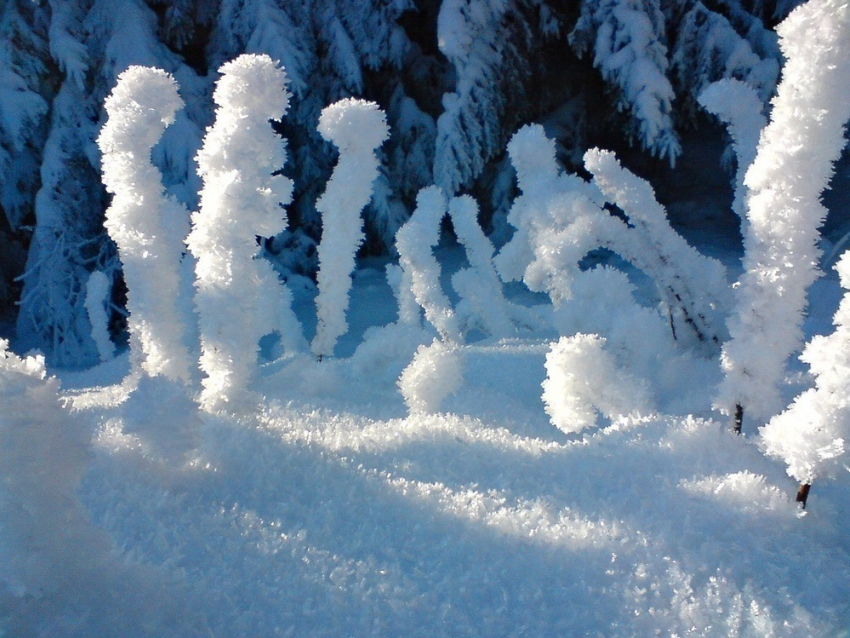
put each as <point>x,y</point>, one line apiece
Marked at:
<point>812,434</point>
<point>46,537</point>
<point>357,128</point>
<point>415,241</point>
<point>435,373</point>
<point>791,169</point>
<point>693,287</point>
<point>583,378</point>
<point>550,202</point>
<point>637,338</point>
<point>561,218</point>
<point>740,108</point>
<point>98,289</point>
<point>147,224</point>
<point>239,296</point>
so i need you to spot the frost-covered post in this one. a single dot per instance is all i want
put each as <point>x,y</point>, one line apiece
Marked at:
<point>147,224</point>
<point>357,128</point>
<point>238,295</point>
<point>792,167</point>
<point>812,434</point>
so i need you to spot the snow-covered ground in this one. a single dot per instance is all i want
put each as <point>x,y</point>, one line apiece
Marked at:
<point>325,509</point>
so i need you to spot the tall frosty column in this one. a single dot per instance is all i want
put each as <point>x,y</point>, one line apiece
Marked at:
<point>147,225</point>
<point>238,296</point>
<point>791,169</point>
<point>357,128</point>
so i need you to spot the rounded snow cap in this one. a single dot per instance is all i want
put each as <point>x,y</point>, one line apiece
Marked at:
<point>532,154</point>
<point>142,104</point>
<point>353,124</point>
<point>253,84</point>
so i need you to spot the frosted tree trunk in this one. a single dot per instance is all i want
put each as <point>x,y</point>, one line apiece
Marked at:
<point>98,289</point>
<point>357,128</point>
<point>238,295</point>
<point>147,225</point>
<point>791,169</point>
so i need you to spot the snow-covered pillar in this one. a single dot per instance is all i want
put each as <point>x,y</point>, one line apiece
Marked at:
<point>357,128</point>
<point>148,225</point>
<point>792,167</point>
<point>239,296</point>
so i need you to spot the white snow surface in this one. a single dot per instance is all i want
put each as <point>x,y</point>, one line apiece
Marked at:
<point>327,509</point>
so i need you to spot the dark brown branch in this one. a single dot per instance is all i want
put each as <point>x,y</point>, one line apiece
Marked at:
<point>803,494</point>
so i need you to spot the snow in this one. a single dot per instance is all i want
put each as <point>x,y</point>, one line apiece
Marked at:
<point>327,509</point>
<point>540,458</point>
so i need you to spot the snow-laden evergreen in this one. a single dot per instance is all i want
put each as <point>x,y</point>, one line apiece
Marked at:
<point>415,242</point>
<point>357,128</point>
<point>582,377</point>
<point>23,108</point>
<point>791,169</point>
<point>485,42</point>
<point>628,44</point>
<point>740,108</point>
<point>147,225</point>
<point>811,435</point>
<point>712,47</point>
<point>239,297</point>
<point>92,42</point>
